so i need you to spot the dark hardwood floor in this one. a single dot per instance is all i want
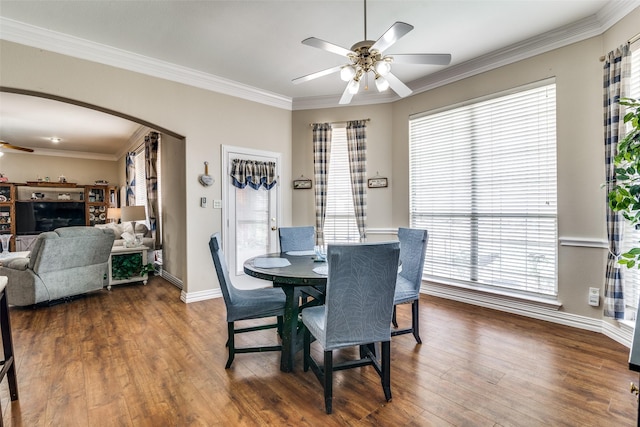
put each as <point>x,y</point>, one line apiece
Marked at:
<point>138,356</point>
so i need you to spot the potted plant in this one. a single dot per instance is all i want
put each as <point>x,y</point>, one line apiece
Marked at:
<point>625,196</point>
<point>126,266</point>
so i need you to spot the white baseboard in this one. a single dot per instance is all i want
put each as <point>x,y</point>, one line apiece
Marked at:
<point>200,295</point>
<point>618,333</point>
<point>171,279</point>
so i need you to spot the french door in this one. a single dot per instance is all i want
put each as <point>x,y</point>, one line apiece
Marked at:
<point>249,217</point>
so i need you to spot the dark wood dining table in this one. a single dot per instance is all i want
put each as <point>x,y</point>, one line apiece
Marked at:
<point>296,279</point>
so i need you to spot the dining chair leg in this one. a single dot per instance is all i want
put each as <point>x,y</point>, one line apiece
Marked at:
<point>9,366</point>
<point>328,381</point>
<point>386,369</point>
<point>393,318</point>
<point>306,348</point>
<point>231,345</point>
<point>415,320</point>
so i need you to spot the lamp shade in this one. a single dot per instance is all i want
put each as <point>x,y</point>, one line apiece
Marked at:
<point>113,213</point>
<point>133,213</point>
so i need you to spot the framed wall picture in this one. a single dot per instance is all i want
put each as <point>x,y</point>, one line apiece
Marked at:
<point>378,182</point>
<point>301,184</point>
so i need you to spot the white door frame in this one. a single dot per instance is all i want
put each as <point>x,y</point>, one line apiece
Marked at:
<point>227,150</point>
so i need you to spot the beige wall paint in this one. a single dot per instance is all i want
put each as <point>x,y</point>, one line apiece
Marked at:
<point>174,224</point>
<point>205,118</point>
<point>581,201</point>
<point>19,167</point>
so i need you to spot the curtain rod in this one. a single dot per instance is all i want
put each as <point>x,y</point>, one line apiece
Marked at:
<point>632,40</point>
<point>344,122</point>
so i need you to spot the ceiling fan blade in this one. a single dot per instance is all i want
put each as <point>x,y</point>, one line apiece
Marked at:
<point>346,96</point>
<point>317,74</point>
<point>391,36</point>
<point>330,47</point>
<point>422,58</point>
<point>15,147</point>
<point>398,87</point>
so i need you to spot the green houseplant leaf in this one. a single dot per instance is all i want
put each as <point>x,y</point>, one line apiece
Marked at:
<point>625,196</point>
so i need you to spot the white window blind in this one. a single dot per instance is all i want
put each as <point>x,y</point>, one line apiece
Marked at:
<point>141,181</point>
<point>483,183</point>
<point>340,219</point>
<point>631,236</point>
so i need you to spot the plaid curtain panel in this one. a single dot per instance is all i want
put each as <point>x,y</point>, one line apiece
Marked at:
<point>616,83</point>
<point>357,145</point>
<point>253,173</point>
<point>151,143</point>
<point>321,155</point>
<point>130,176</point>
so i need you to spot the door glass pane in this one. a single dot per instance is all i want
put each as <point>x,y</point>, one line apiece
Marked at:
<point>252,224</point>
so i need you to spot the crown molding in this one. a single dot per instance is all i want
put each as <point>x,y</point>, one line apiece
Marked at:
<point>40,38</point>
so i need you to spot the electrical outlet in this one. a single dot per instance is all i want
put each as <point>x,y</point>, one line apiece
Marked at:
<point>217,204</point>
<point>594,297</point>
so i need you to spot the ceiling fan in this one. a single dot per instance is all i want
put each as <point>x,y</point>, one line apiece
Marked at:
<point>4,144</point>
<point>368,56</point>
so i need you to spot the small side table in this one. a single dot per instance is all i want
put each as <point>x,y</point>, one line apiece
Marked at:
<point>121,250</point>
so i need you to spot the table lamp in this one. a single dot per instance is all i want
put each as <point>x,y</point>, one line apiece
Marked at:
<point>114,214</point>
<point>133,214</point>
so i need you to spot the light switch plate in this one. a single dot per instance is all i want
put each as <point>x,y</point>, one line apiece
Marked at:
<point>203,202</point>
<point>594,297</point>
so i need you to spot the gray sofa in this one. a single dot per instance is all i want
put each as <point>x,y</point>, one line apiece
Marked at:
<point>65,262</point>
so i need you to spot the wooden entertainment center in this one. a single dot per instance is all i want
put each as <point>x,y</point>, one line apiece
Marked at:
<point>94,199</point>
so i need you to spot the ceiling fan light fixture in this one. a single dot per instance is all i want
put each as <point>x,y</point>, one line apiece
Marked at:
<point>381,84</point>
<point>382,67</point>
<point>353,86</point>
<point>55,139</point>
<point>347,73</point>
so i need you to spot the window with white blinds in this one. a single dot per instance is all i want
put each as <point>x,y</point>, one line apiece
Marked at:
<point>631,236</point>
<point>483,183</point>
<point>340,219</point>
<point>141,181</point>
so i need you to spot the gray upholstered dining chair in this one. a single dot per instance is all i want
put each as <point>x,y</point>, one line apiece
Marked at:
<point>297,238</point>
<point>357,311</point>
<point>413,247</point>
<point>245,304</point>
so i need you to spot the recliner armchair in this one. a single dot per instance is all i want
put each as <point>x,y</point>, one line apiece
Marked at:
<point>63,263</point>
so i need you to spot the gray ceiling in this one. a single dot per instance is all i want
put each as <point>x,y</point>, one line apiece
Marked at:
<point>257,43</point>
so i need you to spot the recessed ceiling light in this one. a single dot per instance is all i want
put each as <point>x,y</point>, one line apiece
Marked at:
<point>55,140</point>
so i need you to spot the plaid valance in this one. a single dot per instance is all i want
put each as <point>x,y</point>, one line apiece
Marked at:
<point>253,173</point>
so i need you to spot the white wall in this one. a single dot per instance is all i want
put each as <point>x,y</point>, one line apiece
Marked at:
<point>204,118</point>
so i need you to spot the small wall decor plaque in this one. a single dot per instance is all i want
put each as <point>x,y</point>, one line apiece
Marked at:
<point>301,183</point>
<point>378,182</point>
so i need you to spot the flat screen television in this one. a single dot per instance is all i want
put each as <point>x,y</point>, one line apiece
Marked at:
<point>34,217</point>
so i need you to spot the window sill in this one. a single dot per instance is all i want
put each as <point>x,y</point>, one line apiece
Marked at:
<point>500,299</point>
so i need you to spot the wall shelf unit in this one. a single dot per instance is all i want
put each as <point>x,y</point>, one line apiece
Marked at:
<point>7,212</point>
